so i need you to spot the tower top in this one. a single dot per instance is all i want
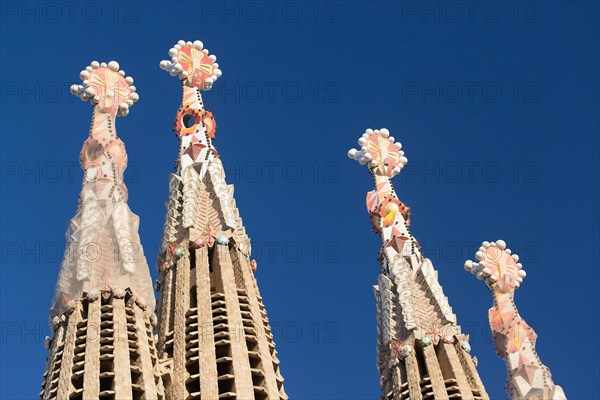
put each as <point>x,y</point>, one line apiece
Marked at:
<point>192,63</point>
<point>418,339</point>
<point>106,86</point>
<point>514,339</point>
<point>103,251</point>
<point>381,152</point>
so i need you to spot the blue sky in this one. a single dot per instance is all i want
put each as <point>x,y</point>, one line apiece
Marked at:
<point>496,104</point>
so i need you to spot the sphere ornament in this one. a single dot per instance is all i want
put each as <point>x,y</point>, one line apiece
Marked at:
<point>119,293</point>
<point>141,302</point>
<point>179,252</point>
<point>106,86</point>
<point>222,240</point>
<point>426,341</point>
<point>449,339</point>
<point>406,350</point>
<point>466,346</point>
<point>47,343</point>
<point>193,64</point>
<point>380,151</point>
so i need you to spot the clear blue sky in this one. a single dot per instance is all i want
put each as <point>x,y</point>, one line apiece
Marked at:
<point>496,105</point>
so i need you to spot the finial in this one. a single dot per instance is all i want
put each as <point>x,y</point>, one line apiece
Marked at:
<point>497,266</point>
<point>381,152</point>
<point>192,63</point>
<point>106,85</point>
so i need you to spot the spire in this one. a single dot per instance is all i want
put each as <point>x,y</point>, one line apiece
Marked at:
<point>421,351</point>
<point>214,336</point>
<point>102,344</point>
<point>196,128</point>
<point>514,340</point>
<point>103,246</point>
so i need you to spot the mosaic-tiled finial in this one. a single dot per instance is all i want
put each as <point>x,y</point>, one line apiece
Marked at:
<point>106,86</point>
<point>381,152</point>
<point>514,339</point>
<point>196,128</point>
<point>385,159</point>
<point>500,269</point>
<point>192,63</point>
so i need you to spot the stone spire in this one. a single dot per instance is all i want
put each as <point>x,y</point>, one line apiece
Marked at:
<point>421,352</point>
<point>214,335</point>
<point>514,340</point>
<point>102,344</point>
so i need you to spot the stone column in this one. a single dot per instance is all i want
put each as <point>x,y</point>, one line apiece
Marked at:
<point>239,350</point>
<point>91,377</point>
<point>413,377</point>
<point>263,344</point>
<point>182,293</point>
<point>435,373</point>
<point>208,359</point>
<point>65,386</point>
<point>452,368</point>
<point>122,364</point>
<point>145,364</point>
